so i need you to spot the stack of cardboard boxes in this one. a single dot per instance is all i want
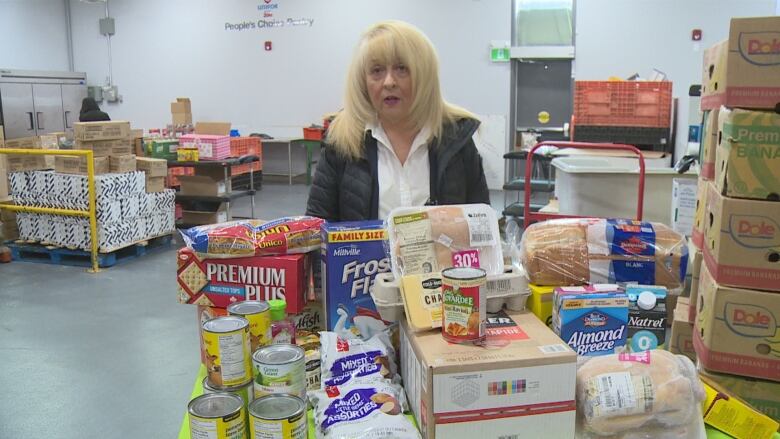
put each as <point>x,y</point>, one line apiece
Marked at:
<point>735,305</point>
<point>111,145</point>
<point>155,171</point>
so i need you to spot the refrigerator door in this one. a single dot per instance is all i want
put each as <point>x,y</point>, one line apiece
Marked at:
<point>72,95</point>
<point>48,108</point>
<point>18,110</point>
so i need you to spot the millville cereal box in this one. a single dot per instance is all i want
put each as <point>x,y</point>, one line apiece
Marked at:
<point>353,253</point>
<point>218,282</point>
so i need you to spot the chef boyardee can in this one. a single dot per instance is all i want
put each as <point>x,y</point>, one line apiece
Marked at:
<point>218,416</point>
<point>464,304</point>
<point>278,417</point>
<point>226,348</point>
<point>280,368</point>
<point>259,315</point>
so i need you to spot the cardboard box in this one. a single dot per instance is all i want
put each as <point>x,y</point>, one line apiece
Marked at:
<point>181,105</point>
<point>681,339</point>
<point>5,190</point>
<point>122,163</point>
<point>743,70</point>
<point>709,144</point>
<point>9,230</point>
<point>748,154</point>
<point>19,163</point>
<point>540,302</point>
<point>155,184</point>
<point>761,394</point>
<point>181,118</point>
<point>697,261</point>
<point>213,128</point>
<point>162,148</point>
<point>684,191</point>
<point>152,167</point>
<point>197,217</point>
<point>106,148</point>
<point>78,165</point>
<point>108,130</point>
<point>459,391</point>
<point>697,234</point>
<point>203,186</point>
<point>220,282</point>
<point>736,330</point>
<point>48,141</point>
<point>353,254</point>
<point>729,414</point>
<point>742,241</point>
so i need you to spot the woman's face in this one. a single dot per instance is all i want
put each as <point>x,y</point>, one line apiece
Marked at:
<point>390,90</point>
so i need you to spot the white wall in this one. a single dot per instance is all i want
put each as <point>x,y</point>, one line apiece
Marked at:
<point>165,49</point>
<point>33,35</point>
<point>622,37</point>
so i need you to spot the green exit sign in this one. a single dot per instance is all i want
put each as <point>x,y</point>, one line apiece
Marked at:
<point>499,54</point>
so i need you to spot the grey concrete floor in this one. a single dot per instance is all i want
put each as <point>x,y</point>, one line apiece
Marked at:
<point>106,355</point>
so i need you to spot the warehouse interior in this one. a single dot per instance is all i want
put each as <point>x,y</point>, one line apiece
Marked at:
<point>103,337</point>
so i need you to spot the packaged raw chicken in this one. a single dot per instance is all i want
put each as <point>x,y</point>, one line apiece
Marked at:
<point>429,239</point>
<point>649,394</point>
<point>582,251</point>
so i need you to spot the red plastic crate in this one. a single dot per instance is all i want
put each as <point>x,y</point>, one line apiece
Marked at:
<point>240,146</point>
<point>173,175</point>
<point>312,133</point>
<point>623,103</point>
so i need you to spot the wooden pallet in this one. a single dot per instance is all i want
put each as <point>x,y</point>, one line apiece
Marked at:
<point>26,252</point>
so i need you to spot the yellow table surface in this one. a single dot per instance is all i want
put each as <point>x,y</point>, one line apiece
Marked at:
<point>197,390</point>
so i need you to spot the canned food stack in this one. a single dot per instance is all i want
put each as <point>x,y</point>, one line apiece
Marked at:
<point>258,323</point>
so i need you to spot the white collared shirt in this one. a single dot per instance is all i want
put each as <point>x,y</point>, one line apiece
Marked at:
<point>401,185</point>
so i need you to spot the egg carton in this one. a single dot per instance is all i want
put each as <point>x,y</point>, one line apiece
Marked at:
<point>509,288</point>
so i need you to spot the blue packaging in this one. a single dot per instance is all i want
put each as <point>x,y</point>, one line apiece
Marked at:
<point>646,317</point>
<point>353,253</point>
<point>591,321</point>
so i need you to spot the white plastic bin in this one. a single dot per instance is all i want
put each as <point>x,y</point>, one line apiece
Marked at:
<point>606,187</point>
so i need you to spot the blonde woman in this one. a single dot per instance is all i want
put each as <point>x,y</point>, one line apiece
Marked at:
<point>396,142</point>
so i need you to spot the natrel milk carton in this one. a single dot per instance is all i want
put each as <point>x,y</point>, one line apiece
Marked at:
<point>353,253</point>
<point>592,320</point>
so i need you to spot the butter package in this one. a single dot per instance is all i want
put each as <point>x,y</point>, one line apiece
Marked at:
<point>646,317</point>
<point>540,302</point>
<point>681,339</point>
<point>591,320</point>
<point>742,71</point>
<point>748,154</point>
<point>709,144</point>
<point>353,253</point>
<point>742,241</point>
<point>731,415</point>
<point>760,394</point>
<point>422,300</point>
<point>736,330</point>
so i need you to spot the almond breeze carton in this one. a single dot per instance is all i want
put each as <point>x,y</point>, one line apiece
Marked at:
<point>353,253</point>
<point>591,320</point>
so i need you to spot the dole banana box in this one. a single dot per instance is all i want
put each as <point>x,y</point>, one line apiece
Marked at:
<point>742,241</point>
<point>591,320</point>
<point>709,144</point>
<point>353,253</point>
<point>681,339</point>
<point>743,70</point>
<point>697,260</point>
<point>697,235</point>
<point>748,154</point>
<point>736,330</point>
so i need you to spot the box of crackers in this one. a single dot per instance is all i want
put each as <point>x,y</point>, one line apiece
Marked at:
<point>218,282</point>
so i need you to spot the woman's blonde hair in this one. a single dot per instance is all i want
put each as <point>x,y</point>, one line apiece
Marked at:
<point>390,42</point>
